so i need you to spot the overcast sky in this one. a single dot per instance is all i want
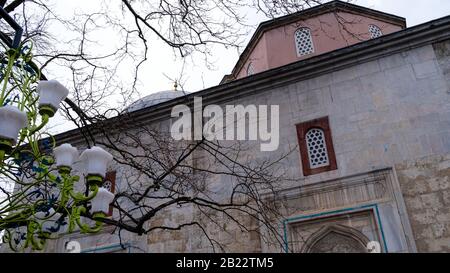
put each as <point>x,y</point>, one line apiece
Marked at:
<point>415,11</point>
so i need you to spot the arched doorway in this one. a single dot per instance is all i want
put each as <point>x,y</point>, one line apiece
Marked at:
<point>336,239</point>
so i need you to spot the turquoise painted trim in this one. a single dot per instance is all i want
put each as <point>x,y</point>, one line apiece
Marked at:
<point>381,228</point>
<point>295,219</point>
<point>286,246</point>
<point>115,246</point>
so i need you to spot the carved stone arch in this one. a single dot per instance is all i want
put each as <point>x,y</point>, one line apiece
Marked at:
<point>337,239</point>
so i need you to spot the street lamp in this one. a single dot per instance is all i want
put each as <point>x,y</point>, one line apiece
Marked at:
<point>100,203</point>
<point>24,159</point>
<point>95,162</point>
<point>12,120</point>
<point>65,156</point>
<point>51,93</point>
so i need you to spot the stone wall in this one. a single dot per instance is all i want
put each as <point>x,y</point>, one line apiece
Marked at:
<point>425,181</point>
<point>223,234</point>
<point>382,113</point>
<point>425,186</point>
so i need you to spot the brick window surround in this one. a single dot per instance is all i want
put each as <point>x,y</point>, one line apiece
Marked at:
<point>302,131</point>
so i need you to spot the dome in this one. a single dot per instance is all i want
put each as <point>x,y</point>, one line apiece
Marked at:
<point>154,99</point>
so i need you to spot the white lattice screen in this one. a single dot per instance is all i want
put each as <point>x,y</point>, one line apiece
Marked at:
<point>250,69</point>
<point>375,31</point>
<point>108,185</point>
<point>303,42</point>
<point>317,148</point>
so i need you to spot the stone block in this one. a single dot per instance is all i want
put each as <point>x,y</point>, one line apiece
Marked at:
<point>438,184</point>
<point>439,229</point>
<point>446,198</point>
<point>422,245</point>
<point>156,248</point>
<point>345,74</point>
<point>346,90</point>
<point>443,215</point>
<point>441,245</point>
<point>367,68</point>
<point>431,200</point>
<point>425,69</point>
<point>415,187</point>
<point>421,54</point>
<point>423,232</point>
<point>428,216</point>
<point>320,82</point>
<point>373,83</point>
<point>446,142</point>
<point>392,61</point>
<point>414,203</point>
<point>379,99</point>
<point>310,99</point>
<point>364,103</point>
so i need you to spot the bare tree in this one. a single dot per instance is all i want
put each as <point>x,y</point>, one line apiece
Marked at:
<point>159,174</point>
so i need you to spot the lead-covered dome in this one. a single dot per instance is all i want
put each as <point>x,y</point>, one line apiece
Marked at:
<point>154,99</point>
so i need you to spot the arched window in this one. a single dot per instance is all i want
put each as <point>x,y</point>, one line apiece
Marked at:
<point>317,148</point>
<point>303,42</point>
<point>250,69</point>
<point>375,31</point>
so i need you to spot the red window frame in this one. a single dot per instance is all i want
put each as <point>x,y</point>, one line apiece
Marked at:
<point>111,176</point>
<point>302,129</point>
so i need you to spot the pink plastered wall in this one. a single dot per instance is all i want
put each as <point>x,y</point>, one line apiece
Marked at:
<point>258,58</point>
<point>330,31</point>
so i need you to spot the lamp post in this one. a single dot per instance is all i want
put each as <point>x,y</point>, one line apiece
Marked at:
<point>95,161</point>
<point>65,156</point>
<point>12,121</point>
<point>45,172</point>
<point>51,93</point>
<point>45,219</point>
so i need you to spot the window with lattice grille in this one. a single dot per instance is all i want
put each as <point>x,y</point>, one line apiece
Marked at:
<point>375,31</point>
<point>316,146</point>
<point>304,42</point>
<point>108,185</point>
<point>250,69</point>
